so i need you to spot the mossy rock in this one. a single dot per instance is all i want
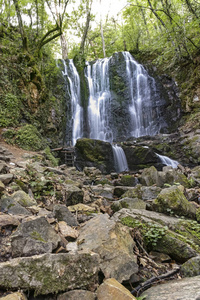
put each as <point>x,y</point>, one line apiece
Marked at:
<point>172,201</point>
<point>94,153</point>
<point>128,180</point>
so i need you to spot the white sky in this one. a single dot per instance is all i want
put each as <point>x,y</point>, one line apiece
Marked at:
<point>111,7</point>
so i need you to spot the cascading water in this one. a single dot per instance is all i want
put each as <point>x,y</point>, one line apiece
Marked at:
<point>99,100</point>
<point>142,91</point>
<point>99,109</point>
<point>165,160</point>
<point>74,90</point>
<point>119,159</point>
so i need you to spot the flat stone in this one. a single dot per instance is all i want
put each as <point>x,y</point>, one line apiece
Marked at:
<point>6,220</point>
<point>80,208</point>
<point>6,178</point>
<point>77,295</point>
<point>113,243</point>
<point>50,273</point>
<point>67,231</point>
<point>187,288</point>
<point>111,289</point>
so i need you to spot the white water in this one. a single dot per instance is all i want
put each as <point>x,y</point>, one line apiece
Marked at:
<point>119,159</point>
<point>165,160</point>
<point>99,109</point>
<point>142,90</point>
<point>99,100</point>
<point>74,91</point>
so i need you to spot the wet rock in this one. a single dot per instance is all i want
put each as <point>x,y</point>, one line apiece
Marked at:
<point>101,235</point>
<point>191,267</point>
<point>94,153</point>
<point>23,199</point>
<point>50,273</point>
<point>111,289</point>
<point>182,289</point>
<point>77,294</point>
<point>34,237</point>
<point>173,200</point>
<point>62,213</point>
<point>139,157</point>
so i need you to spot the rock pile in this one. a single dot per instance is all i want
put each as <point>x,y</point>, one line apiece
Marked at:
<point>66,234</point>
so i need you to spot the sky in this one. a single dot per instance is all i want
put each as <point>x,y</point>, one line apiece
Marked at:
<point>111,7</point>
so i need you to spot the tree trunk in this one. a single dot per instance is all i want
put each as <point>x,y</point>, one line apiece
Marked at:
<point>64,46</point>
<point>21,27</point>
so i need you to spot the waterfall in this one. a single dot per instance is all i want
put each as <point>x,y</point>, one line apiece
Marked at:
<point>142,91</point>
<point>74,90</point>
<point>99,109</point>
<point>99,100</point>
<point>165,160</point>
<point>119,159</point>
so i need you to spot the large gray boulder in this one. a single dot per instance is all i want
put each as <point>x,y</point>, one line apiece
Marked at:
<point>34,237</point>
<point>77,294</point>
<point>113,243</point>
<point>187,288</point>
<point>50,273</point>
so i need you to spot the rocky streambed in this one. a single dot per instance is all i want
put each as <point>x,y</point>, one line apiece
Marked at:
<point>69,234</point>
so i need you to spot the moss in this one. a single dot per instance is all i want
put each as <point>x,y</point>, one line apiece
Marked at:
<point>36,236</point>
<point>10,110</point>
<point>128,180</point>
<point>27,137</point>
<point>54,161</point>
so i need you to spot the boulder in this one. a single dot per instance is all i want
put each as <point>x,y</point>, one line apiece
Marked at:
<point>113,243</point>
<point>34,237</point>
<point>132,203</point>
<point>94,153</point>
<point>3,168</point>
<point>77,294</point>
<point>62,213</point>
<point>140,157</point>
<point>172,200</point>
<point>128,180</point>
<point>23,199</point>
<point>111,289</point>
<point>191,267</point>
<point>182,289</point>
<point>156,233</point>
<point>73,194</point>
<point>50,273</point>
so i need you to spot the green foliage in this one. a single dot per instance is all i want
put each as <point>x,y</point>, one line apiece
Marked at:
<point>153,233</point>
<point>54,161</point>
<point>27,137</point>
<point>9,111</point>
